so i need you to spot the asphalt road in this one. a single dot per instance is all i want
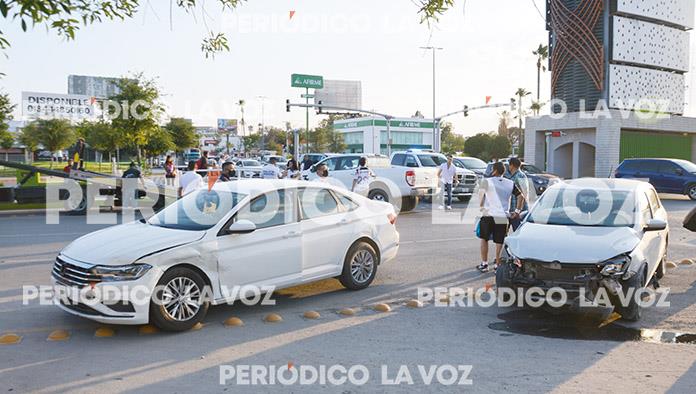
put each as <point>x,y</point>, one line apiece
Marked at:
<point>507,349</point>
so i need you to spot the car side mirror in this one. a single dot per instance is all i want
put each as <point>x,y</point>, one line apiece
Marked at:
<point>690,220</point>
<point>313,168</point>
<point>655,225</point>
<point>679,172</point>
<point>240,227</point>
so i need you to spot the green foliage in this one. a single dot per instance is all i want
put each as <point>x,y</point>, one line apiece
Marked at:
<point>486,146</point>
<point>252,141</point>
<point>27,137</point>
<point>53,134</point>
<point>6,108</point>
<point>324,138</point>
<point>159,142</point>
<point>100,135</point>
<point>140,110</point>
<point>182,133</point>
<point>451,142</point>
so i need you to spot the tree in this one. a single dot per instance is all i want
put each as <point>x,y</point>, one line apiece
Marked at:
<point>27,137</point>
<point>159,142</point>
<point>66,17</point>
<point>504,123</point>
<point>135,111</point>
<point>100,136</point>
<point>521,93</point>
<point>542,53</point>
<point>477,146</point>
<point>182,133</point>
<point>251,141</point>
<point>242,123</point>
<point>53,134</point>
<point>451,142</point>
<point>6,108</point>
<point>499,147</point>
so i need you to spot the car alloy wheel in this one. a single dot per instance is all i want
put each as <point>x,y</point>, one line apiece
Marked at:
<point>181,298</point>
<point>361,266</point>
<point>692,192</point>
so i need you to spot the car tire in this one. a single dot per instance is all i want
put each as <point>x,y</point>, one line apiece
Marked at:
<point>633,311</point>
<point>691,191</point>
<point>175,281</point>
<point>378,195</point>
<point>359,266</point>
<point>503,279</point>
<point>408,203</point>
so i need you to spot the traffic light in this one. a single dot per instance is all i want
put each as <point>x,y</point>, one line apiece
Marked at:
<point>319,108</point>
<point>287,105</point>
<point>466,110</point>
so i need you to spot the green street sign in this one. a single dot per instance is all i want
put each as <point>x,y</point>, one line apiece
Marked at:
<point>307,81</point>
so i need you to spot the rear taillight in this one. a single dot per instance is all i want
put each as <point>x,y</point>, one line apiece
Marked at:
<point>392,218</point>
<point>411,177</point>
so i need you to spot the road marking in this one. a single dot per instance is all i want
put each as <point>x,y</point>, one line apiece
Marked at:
<point>347,312</point>
<point>233,322</point>
<point>104,332</point>
<point>414,304</point>
<point>311,315</point>
<point>10,339</point>
<point>58,335</point>
<point>273,318</point>
<point>382,308</point>
<point>147,330</point>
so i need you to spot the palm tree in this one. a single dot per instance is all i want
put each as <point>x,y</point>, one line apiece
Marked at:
<point>542,53</point>
<point>521,93</point>
<point>536,107</point>
<point>503,123</point>
<point>241,107</point>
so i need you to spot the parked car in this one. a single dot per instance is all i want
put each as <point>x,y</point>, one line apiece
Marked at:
<point>589,234</point>
<point>427,159</point>
<point>249,168</point>
<point>192,154</point>
<point>397,185</point>
<point>256,234</point>
<point>666,175</point>
<point>314,157</point>
<point>539,178</point>
<point>474,164</point>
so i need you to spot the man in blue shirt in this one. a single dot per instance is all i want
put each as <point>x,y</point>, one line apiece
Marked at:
<point>520,179</point>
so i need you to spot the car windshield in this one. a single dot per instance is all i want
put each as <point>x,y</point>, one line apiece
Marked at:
<point>686,165</point>
<point>197,211</point>
<point>473,163</point>
<point>574,206</point>
<point>251,163</point>
<point>432,160</point>
<point>531,169</point>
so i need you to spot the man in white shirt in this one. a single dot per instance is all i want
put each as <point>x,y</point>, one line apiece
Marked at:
<point>362,178</point>
<point>448,178</point>
<point>271,170</point>
<point>495,194</point>
<point>190,181</point>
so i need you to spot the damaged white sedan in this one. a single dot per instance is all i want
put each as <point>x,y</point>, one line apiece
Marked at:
<point>590,237</point>
<point>215,246</point>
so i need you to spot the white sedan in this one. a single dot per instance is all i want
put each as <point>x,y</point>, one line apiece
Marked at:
<point>590,236</point>
<point>254,234</point>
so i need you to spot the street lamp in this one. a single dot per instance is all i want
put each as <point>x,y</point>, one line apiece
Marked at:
<point>262,125</point>
<point>436,133</point>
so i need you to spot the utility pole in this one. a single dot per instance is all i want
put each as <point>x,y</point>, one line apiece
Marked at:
<point>263,121</point>
<point>436,129</point>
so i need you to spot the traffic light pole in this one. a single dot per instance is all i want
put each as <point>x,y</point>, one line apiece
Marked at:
<point>437,141</point>
<point>307,121</point>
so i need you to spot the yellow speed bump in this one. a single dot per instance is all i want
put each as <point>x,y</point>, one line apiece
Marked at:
<point>612,318</point>
<point>347,312</point>
<point>414,304</point>
<point>58,335</point>
<point>671,265</point>
<point>686,262</point>
<point>10,339</point>
<point>147,329</point>
<point>234,322</point>
<point>311,315</point>
<point>382,308</point>
<point>197,326</point>
<point>273,318</point>
<point>104,332</point>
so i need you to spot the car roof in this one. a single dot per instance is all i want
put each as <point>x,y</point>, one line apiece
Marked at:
<point>259,186</point>
<point>607,183</point>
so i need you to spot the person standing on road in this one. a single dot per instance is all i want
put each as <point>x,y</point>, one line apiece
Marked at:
<point>293,170</point>
<point>202,164</point>
<point>448,178</point>
<point>322,173</point>
<point>169,171</point>
<point>517,176</point>
<point>190,181</point>
<point>495,194</point>
<point>271,170</point>
<point>306,167</point>
<point>362,178</point>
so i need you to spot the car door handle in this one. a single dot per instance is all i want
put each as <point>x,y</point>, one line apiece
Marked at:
<point>343,221</point>
<point>292,234</point>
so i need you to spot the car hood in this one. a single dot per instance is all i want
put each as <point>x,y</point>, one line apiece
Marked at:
<point>571,244</point>
<point>126,243</point>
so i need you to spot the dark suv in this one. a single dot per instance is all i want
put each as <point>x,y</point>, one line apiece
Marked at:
<point>666,175</point>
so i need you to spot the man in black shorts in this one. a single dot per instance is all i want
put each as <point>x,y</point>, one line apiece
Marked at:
<point>495,194</point>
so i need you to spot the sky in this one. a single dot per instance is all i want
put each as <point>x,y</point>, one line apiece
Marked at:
<point>487,51</point>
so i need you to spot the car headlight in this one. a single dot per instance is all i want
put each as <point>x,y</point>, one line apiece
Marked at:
<point>615,265</point>
<point>540,181</point>
<point>122,272</point>
<point>512,258</point>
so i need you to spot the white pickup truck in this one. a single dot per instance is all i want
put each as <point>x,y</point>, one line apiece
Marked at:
<point>398,185</point>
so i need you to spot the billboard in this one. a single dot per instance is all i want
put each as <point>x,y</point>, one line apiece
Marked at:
<point>99,87</point>
<point>346,94</point>
<point>51,105</point>
<point>227,126</point>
